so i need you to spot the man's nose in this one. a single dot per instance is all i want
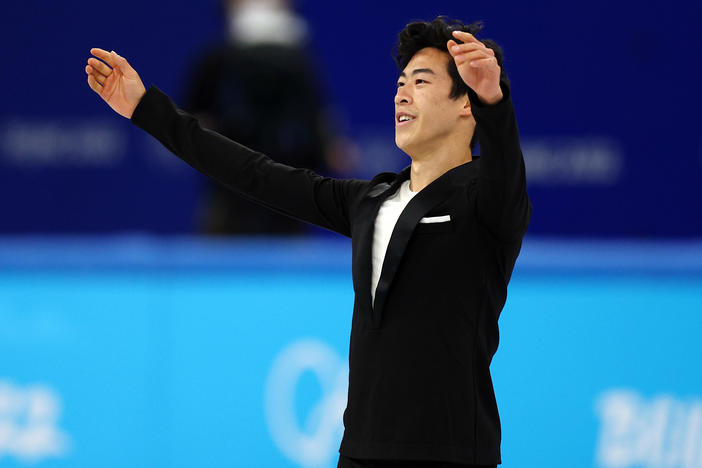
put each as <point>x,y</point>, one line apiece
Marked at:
<point>402,96</point>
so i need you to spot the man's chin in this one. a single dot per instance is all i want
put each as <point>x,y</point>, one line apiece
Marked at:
<point>403,144</point>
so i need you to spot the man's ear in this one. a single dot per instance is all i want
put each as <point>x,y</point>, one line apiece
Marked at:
<point>466,111</point>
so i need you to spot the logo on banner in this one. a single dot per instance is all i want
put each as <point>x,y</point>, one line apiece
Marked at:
<point>29,423</point>
<point>658,432</point>
<point>58,143</point>
<point>315,442</point>
<point>573,161</point>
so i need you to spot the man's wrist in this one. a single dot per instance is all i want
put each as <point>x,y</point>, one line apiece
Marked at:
<point>491,99</point>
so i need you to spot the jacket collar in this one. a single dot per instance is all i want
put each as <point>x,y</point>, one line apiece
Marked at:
<point>427,198</point>
<point>390,182</point>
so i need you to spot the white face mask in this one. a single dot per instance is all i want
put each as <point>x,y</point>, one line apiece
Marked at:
<point>265,22</point>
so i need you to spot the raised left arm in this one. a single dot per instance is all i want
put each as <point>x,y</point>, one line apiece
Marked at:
<point>502,202</point>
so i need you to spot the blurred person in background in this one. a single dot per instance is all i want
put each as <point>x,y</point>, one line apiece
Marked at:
<point>433,247</point>
<point>260,88</point>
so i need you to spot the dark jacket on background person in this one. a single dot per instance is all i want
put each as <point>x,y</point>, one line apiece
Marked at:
<point>264,96</point>
<point>419,378</point>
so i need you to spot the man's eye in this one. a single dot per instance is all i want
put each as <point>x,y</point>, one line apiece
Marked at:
<point>420,81</point>
<point>400,84</point>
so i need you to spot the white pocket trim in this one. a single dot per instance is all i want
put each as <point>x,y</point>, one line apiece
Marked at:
<point>435,219</point>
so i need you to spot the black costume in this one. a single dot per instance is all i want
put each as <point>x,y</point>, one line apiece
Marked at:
<point>419,377</point>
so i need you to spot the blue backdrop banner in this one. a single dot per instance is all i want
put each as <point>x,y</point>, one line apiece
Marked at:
<point>604,94</point>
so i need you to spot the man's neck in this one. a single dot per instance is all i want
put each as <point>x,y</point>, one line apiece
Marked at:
<point>428,168</point>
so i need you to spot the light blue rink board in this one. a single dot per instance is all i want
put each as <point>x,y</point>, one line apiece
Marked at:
<point>151,352</point>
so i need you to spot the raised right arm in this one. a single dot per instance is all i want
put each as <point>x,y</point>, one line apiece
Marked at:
<point>296,192</point>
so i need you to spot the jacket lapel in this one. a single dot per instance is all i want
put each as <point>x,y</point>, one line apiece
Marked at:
<point>418,206</point>
<point>385,185</point>
<point>433,194</point>
<point>362,263</point>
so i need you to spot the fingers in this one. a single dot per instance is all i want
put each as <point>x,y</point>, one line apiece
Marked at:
<point>99,66</point>
<point>96,76</point>
<point>456,49</point>
<point>112,59</point>
<point>121,63</point>
<point>483,62</point>
<point>98,70</point>
<point>473,51</point>
<point>465,36</point>
<point>103,55</point>
<point>472,56</point>
<point>450,45</point>
<point>94,85</point>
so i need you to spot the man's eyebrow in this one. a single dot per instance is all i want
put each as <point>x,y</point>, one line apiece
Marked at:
<point>419,70</point>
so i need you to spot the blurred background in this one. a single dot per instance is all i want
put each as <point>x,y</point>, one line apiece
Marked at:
<point>149,319</point>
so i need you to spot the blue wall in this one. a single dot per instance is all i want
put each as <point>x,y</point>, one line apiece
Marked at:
<point>149,352</point>
<point>604,92</point>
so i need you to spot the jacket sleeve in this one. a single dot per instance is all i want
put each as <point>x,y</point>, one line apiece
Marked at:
<point>502,203</point>
<point>299,193</point>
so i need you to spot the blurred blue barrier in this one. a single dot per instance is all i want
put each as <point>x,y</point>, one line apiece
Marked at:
<point>138,351</point>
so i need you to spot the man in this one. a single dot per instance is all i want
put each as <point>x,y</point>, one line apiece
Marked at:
<point>433,246</point>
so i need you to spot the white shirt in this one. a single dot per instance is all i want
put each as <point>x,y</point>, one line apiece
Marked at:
<point>389,213</point>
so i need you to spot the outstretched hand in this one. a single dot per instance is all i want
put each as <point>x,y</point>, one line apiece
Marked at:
<point>115,81</point>
<point>477,66</point>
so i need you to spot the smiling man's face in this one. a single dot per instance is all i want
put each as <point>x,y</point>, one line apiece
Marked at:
<point>425,115</point>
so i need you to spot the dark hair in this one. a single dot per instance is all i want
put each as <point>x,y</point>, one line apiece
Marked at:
<point>420,34</point>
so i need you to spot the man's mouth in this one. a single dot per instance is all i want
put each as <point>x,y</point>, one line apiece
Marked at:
<point>403,118</point>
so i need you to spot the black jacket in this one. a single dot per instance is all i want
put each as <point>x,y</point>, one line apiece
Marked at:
<point>419,377</point>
